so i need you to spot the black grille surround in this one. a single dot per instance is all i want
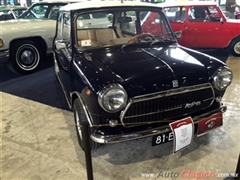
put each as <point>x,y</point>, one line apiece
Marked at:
<point>167,105</point>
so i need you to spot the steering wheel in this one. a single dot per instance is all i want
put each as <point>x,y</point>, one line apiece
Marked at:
<point>139,37</point>
<point>208,18</point>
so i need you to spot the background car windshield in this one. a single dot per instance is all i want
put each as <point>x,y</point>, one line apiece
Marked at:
<point>127,22</point>
<point>42,11</point>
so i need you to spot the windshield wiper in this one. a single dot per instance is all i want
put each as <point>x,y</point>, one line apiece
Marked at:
<point>161,42</point>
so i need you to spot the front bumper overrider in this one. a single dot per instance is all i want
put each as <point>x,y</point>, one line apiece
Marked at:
<point>4,56</point>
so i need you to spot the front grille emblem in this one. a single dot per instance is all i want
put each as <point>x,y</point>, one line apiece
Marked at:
<point>194,103</point>
<point>175,83</point>
<point>210,125</point>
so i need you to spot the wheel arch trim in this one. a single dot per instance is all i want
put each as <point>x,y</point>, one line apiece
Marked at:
<point>76,95</point>
<point>31,38</point>
<point>233,39</point>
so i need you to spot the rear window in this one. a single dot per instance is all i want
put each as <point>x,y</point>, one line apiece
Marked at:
<point>99,15</point>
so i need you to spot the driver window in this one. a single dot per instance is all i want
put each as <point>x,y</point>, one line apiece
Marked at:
<point>204,14</point>
<point>66,28</point>
<point>59,26</point>
<point>63,28</point>
<point>65,35</point>
<point>176,14</point>
<point>198,13</point>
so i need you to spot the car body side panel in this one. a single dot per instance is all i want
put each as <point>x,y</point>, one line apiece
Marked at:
<point>206,34</point>
<point>19,29</point>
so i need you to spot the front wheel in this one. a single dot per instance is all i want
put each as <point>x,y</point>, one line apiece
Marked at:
<point>25,57</point>
<point>235,47</point>
<point>80,117</point>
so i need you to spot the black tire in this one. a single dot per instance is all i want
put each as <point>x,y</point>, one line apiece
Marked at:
<point>25,57</point>
<point>235,47</point>
<point>80,117</point>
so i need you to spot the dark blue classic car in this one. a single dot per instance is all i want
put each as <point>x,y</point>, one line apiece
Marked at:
<point>130,82</point>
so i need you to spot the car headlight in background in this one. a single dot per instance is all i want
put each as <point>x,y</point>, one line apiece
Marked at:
<point>112,98</point>
<point>222,78</point>
<point>1,42</point>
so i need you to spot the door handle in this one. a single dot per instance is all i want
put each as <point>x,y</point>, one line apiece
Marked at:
<point>186,28</point>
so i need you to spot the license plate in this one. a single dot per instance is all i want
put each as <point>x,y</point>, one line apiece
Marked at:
<point>210,123</point>
<point>162,138</point>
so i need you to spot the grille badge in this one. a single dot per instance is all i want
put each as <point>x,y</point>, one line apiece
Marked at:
<point>175,83</point>
<point>194,103</point>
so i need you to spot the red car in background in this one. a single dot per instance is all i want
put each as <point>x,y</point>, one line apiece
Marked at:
<point>198,25</point>
<point>222,7</point>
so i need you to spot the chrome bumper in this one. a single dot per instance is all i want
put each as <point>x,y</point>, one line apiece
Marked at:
<point>146,133</point>
<point>4,55</point>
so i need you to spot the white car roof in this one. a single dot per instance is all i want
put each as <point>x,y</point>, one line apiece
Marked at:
<point>186,3</point>
<point>100,4</point>
<point>58,1</point>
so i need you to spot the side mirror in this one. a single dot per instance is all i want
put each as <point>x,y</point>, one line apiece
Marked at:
<point>178,34</point>
<point>157,21</point>
<point>60,45</point>
<point>110,17</point>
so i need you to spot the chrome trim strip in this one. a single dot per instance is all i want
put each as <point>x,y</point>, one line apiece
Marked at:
<point>82,75</point>
<point>163,94</point>
<point>153,112</point>
<point>142,134</point>
<point>85,109</point>
<point>75,92</point>
<point>60,81</point>
<point>171,92</point>
<point>208,99</point>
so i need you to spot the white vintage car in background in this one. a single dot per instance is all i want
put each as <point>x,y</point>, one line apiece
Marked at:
<point>26,41</point>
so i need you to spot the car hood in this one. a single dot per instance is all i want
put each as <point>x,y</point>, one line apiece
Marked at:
<point>150,70</point>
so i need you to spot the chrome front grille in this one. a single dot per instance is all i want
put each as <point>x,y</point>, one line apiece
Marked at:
<point>167,105</point>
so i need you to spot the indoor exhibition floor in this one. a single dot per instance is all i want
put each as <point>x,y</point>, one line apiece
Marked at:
<point>39,139</point>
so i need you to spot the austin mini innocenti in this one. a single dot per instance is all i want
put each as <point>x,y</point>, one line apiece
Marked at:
<point>129,82</point>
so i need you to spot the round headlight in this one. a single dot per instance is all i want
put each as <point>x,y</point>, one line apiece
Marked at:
<point>112,98</point>
<point>222,78</point>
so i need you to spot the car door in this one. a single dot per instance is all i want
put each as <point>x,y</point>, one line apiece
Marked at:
<point>64,55</point>
<point>177,18</point>
<point>203,29</point>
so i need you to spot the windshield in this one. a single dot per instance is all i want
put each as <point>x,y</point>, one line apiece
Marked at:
<point>122,27</point>
<point>42,11</point>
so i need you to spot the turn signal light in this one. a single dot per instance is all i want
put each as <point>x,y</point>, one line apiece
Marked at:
<point>1,43</point>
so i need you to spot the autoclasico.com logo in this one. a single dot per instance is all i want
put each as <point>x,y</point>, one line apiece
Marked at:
<point>187,174</point>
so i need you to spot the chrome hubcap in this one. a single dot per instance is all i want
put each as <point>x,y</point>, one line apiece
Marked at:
<point>237,48</point>
<point>78,125</point>
<point>27,57</point>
